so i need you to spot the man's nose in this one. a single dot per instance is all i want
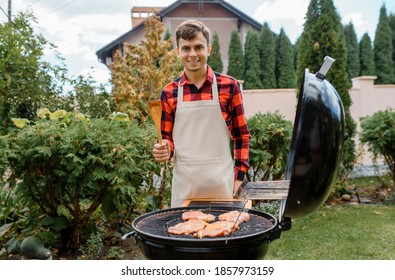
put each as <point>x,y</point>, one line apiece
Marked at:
<point>193,52</point>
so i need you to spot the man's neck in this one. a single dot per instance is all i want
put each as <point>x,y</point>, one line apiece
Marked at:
<point>197,78</point>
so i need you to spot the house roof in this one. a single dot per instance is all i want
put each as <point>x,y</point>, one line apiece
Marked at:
<point>107,50</point>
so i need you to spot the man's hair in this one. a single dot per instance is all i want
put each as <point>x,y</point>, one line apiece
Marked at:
<point>189,30</point>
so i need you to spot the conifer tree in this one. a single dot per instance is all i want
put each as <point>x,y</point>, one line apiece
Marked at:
<point>383,50</point>
<point>322,36</point>
<point>252,75</point>
<point>141,71</point>
<point>285,68</point>
<point>167,37</point>
<point>268,57</point>
<point>353,64</point>
<point>236,57</point>
<point>366,56</point>
<point>392,25</point>
<point>296,52</point>
<point>215,59</point>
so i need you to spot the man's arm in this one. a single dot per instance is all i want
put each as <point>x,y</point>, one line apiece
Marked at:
<point>240,134</point>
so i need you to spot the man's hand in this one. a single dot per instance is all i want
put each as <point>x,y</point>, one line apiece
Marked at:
<point>161,151</point>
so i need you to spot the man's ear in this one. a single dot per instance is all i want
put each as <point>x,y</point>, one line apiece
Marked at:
<point>209,49</point>
<point>177,51</point>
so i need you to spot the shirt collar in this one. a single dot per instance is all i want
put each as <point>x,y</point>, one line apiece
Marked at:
<point>209,78</point>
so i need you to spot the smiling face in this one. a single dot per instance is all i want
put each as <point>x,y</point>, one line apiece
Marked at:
<point>193,53</point>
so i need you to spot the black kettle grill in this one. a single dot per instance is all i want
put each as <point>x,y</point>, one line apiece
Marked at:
<point>313,162</point>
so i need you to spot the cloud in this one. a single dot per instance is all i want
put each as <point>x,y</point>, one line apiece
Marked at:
<point>285,14</point>
<point>282,9</point>
<point>355,18</point>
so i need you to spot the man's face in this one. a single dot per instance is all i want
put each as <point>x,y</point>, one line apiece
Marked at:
<point>194,53</point>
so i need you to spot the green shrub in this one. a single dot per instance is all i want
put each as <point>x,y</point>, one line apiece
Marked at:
<point>378,132</point>
<point>269,146</point>
<point>70,167</point>
<point>3,157</point>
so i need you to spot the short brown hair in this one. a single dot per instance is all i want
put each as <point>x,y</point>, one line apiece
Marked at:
<point>189,30</point>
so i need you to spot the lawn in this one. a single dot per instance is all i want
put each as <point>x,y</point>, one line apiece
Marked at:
<point>339,232</point>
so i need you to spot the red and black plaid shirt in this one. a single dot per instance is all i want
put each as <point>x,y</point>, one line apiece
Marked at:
<point>231,102</point>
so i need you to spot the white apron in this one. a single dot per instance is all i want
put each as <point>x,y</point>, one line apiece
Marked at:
<point>203,164</point>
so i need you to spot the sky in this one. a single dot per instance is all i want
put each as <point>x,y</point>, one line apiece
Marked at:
<point>81,27</point>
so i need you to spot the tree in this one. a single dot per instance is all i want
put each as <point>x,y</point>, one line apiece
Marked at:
<point>296,52</point>
<point>236,57</point>
<point>167,37</point>
<point>26,81</point>
<point>366,56</point>
<point>392,25</point>
<point>322,36</point>
<point>215,59</point>
<point>383,50</point>
<point>268,57</point>
<point>353,64</point>
<point>89,98</point>
<point>285,68</point>
<point>252,72</point>
<point>139,75</point>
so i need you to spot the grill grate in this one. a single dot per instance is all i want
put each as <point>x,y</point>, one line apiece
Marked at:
<point>158,223</point>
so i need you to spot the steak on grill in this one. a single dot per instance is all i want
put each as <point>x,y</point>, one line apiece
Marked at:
<point>220,228</point>
<point>234,217</point>
<point>197,215</point>
<point>187,227</point>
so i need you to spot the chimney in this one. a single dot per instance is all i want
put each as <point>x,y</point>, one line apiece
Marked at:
<point>139,14</point>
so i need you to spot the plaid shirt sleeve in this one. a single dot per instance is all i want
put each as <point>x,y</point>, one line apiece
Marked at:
<point>231,102</point>
<point>169,99</point>
<point>237,125</point>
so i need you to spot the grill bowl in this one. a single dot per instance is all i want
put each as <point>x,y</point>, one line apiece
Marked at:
<point>250,242</point>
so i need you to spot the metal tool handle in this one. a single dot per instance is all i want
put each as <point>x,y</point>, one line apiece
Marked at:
<point>327,64</point>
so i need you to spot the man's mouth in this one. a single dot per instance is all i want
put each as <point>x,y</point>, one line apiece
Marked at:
<point>193,62</point>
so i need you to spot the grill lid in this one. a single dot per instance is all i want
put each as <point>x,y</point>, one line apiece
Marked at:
<point>316,146</point>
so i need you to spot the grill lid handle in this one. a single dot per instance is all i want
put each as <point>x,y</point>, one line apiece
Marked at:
<point>327,64</point>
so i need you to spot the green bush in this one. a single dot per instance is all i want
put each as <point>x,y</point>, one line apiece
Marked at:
<point>378,132</point>
<point>269,146</point>
<point>70,167</point>
<point>3,157</point>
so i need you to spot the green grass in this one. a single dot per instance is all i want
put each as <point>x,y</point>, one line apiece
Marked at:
<point>349,232</point>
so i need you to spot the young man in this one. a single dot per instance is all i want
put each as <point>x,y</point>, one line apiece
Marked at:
<point>201,111</point>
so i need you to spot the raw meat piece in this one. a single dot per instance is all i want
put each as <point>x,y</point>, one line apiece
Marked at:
<point>187,227</point>
<point>221,228</point>
<point>197,215</point>
<point>234,217</point>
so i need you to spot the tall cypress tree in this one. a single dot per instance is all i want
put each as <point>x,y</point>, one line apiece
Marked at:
<point>252,74</point>
<point>236,57</point>
<point>296,52</point>
<point>215,59</point>
<point>392,25</point>
<point>323,35</point>
<point>383,50</point>
<point>353,64</point>
<point>268,57</point>
<point>366,56</point>
<point>285,68</point>
<point>166,37</point>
